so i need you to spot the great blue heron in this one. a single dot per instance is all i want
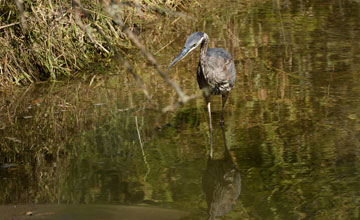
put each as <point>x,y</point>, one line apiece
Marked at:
<point>216,70</point>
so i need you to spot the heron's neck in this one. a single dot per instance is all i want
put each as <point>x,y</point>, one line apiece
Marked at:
<point>204,48</point>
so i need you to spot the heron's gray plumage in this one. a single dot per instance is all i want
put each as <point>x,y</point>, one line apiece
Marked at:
<point>216,73</point>
<point>216,70</point>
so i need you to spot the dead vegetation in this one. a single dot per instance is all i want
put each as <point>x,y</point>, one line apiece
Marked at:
<point>41,40</point>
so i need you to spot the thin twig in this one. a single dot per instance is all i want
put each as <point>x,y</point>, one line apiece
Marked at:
<point>166,45</point>
<point>142,149</point>
<point>180,103</point>
<point>282,71</point>
<point>9,25</point>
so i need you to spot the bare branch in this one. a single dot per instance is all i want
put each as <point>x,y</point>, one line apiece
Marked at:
<point>20,6</point>
<point>116,15</point>
<point>118,55</point>
<point>180,103</point>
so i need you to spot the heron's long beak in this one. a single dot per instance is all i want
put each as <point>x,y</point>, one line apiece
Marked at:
<point>182,54</point>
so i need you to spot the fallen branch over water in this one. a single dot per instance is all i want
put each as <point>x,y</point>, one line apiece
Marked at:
<point>116,15</point>
<point>176,105</point>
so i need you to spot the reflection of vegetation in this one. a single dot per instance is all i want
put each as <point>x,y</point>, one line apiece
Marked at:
<point>294,112</point>
<point>76,145</point>
<point>292,122</point>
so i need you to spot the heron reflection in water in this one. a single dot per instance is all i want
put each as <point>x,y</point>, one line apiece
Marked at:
<point>221,183</point>
<point>215,73</point>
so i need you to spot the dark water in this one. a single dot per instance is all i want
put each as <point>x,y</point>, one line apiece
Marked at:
<point>292,123</point>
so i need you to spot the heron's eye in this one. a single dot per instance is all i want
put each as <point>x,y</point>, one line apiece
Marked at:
<point>194,45</point>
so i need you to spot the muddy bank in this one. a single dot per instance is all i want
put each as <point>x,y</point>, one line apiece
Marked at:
<point>88,212</point>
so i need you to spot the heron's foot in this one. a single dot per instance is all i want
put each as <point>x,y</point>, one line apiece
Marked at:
<point>222,122</point>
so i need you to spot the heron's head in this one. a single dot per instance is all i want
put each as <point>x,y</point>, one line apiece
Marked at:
<point>191,43</point>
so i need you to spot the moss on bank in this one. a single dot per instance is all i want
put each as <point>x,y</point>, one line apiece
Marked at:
<point>42,40</point>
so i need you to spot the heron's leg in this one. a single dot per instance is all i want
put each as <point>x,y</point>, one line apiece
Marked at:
<point>224,98</point>
<point>207,99</point>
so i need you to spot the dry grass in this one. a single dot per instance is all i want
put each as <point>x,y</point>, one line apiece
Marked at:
<point>41,40</point>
